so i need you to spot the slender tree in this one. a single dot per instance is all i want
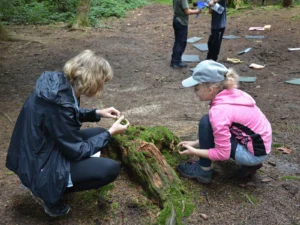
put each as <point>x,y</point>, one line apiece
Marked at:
<point>287,3</point>
<point>82,14</point>
<point>3,33</point>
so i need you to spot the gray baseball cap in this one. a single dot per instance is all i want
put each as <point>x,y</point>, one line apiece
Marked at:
<point>207,71</point>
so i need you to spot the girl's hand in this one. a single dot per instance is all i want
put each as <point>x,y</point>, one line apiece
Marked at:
<point>189,150</point>
<point>109,113</point>
<point>189,143</point>
<point>117,127</point>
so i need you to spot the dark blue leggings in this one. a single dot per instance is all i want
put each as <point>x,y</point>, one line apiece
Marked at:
<point>94,172</point>
<point>206,140</point>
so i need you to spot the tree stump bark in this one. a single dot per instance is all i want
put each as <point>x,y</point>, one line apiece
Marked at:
<point>82,14</point>
<point>141,150</point>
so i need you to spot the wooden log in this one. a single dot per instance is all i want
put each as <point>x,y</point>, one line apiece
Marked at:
<point>141,149</point>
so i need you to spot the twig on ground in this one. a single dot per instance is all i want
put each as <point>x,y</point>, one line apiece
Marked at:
<point>183,205</point>
<point>10,120</point>
<point>249,199</point>
<point>28,43</point>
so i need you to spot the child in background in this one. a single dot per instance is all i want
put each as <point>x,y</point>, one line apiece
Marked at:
<point>180,26</point>
<point>218,24</point>
<point>234,128</point>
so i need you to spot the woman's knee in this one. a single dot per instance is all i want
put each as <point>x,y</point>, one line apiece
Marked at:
<point>113,169</point>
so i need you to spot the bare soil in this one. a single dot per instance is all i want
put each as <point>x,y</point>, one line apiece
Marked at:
<point>149,92</point>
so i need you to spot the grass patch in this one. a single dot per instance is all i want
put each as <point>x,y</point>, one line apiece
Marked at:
<point>251,198</point>
<point>297,178</point>
<point>277,145</point>
<point>163,2</point>
<point>9,173</point>
<point>295,18</point>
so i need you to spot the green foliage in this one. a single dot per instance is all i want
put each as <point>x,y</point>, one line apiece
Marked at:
<point>50,11</point>
<point>290,178</point>
<point>167,2</point>
<point>277,145</point>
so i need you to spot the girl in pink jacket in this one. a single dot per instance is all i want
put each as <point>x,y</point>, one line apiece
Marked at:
<point>234,128</point>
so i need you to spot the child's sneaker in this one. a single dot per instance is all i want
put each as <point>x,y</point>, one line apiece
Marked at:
<point>194,170</point>
<point>59,209</point>
<point>247,171</point>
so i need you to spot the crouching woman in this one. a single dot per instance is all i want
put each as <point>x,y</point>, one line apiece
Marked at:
<point>48,151</point>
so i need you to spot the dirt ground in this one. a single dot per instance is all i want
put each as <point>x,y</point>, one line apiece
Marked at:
<point>149,92</point>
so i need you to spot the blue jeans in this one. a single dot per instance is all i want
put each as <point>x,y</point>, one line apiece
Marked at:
<point>181,33</point>
<point>238,152</point>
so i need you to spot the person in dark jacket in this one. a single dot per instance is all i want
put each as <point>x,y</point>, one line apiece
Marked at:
<point>48,151</point>
<point>218,25</point>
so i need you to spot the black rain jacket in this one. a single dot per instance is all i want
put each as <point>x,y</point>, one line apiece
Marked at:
<point>46,137</point>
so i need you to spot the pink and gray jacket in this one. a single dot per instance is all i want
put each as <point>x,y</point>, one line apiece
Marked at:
<point>234,112</point>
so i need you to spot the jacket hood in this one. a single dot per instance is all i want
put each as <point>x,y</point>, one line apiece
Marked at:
<point>54,87</point>
<point>233,97</point>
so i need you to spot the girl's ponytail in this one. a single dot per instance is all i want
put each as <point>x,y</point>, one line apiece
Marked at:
<point>231,79</point>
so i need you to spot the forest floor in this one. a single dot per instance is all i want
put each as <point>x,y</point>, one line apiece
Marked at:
<point>148,92</point>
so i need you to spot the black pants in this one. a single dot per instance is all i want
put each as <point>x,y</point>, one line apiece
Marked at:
<point>94,172</point>
<point>214,43</point>
<point>206,140</point>
<point>181,33</point>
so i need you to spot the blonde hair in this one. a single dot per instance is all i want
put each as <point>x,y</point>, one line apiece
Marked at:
<point>231,80</point>
<point>87,72</point>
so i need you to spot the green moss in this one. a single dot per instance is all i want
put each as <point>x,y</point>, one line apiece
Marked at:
<point>9,173</point>
<point>179,206</point>
<point>290,178</point>
<point>115,205</point>
<point>92,195</point>
<point>168,196</point>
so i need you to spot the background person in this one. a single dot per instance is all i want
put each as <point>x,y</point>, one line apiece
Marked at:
<point>180,26</point>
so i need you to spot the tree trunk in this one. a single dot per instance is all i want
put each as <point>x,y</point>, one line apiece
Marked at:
<point>234,3</point>
<point>287,3</point>
<point>3,33</point>
<point>82,14</point>
<point>148,166</point>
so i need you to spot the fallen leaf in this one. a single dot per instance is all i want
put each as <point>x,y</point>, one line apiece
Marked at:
<point>272,163</point>
<point>266,179</point>
<point>256,66</point>
<point>251,184</point>
<point>290,188</point>
<point>285,150</point>
<point>204,216</point>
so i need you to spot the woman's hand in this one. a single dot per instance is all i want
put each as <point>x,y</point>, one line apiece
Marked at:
<point>109,113</point>
<point>118,128</point>
<point>189,143</point>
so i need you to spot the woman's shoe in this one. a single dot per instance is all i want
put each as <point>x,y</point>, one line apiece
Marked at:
<point>58,209</point>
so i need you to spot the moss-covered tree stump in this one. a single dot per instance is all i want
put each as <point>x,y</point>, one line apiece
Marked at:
<point>151,154</point>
